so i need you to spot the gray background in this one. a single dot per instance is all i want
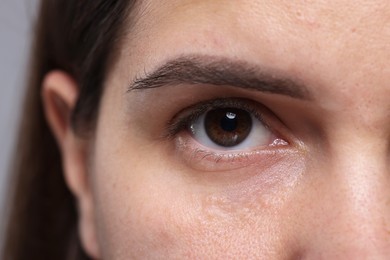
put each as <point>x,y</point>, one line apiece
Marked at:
<point>16,23</point>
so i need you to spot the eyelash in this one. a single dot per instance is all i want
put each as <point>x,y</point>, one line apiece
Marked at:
<point>191,114</point>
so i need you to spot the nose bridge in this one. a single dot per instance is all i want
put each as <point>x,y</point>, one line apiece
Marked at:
<point>362,186</point>
<point>360,167</point>
<point>357,206</point>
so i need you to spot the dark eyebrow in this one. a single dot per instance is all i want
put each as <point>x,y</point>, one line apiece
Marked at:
<point>221,72</point>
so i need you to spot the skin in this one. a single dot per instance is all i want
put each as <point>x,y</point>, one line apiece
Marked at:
<point>324,195</point>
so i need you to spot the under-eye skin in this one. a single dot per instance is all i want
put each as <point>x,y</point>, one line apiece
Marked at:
<point>223,133</point>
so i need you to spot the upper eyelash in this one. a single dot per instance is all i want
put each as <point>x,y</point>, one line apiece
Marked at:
<point>181,122</point>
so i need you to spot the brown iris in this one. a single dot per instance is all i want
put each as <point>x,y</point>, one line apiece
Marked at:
<point>228,126</point>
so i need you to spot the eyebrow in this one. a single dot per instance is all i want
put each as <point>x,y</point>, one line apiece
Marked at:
<point>220,72</point>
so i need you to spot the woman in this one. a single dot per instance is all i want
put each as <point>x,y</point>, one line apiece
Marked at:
<point>205,130</point>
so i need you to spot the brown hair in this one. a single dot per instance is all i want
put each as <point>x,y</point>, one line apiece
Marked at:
<point>77,37</point>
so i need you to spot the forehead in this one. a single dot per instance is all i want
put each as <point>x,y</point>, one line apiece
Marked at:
<point>341,45</point>
<point>269,19</point>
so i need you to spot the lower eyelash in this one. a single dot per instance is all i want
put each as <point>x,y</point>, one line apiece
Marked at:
<point>208,160</point>
<point>217,157</point>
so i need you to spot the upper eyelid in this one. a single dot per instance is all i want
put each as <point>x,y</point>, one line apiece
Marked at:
<point>179,122</point>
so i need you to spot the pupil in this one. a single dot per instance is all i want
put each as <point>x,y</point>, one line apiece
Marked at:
<point>228,126</point>
<point>229,122</point>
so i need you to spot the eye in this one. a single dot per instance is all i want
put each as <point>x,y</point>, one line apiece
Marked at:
<point>230,128</point>
<point>226,134</point>
<point>230,124</point>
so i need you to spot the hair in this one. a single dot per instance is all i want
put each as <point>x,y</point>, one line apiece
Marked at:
<point>77,37</point>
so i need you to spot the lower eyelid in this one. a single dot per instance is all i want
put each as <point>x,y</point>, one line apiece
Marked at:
<point>207,160</point>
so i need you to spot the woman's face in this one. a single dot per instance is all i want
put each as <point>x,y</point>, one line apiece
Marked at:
<point>245,129</point>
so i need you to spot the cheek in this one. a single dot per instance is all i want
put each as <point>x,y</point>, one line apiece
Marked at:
<point>147,207</point>
<point>148,204</point>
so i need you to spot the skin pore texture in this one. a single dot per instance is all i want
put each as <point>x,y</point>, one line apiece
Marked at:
<point>318,189</point>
